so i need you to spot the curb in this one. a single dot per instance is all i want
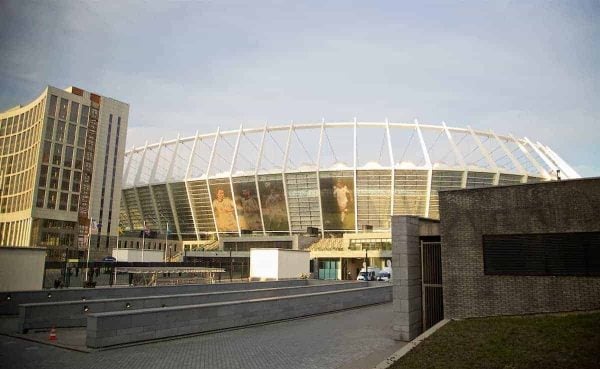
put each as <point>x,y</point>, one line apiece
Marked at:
<point>409,346</point>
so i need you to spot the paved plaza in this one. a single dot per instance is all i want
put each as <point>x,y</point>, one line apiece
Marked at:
<point>357,338</point>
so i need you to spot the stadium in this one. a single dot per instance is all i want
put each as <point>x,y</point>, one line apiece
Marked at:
<point>329,187</point>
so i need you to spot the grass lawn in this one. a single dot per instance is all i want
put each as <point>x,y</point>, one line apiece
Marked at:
<point>535,341</point>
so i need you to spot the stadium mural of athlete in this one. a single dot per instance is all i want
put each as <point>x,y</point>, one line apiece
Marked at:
<point>247,208</point>
<point>337,200</point>
<point>273,205</point>
<point>224,210</point>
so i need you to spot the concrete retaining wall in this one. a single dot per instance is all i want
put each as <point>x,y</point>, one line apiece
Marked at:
<point>10,301</point>
<point>72,313</point>
<point>113,328</point>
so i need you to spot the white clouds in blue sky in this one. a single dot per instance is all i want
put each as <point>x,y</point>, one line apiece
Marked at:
<point>528,68</point>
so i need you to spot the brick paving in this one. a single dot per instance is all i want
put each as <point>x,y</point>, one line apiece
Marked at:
<point>358,338</point>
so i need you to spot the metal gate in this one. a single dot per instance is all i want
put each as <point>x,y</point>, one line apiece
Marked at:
<point>431,279</point>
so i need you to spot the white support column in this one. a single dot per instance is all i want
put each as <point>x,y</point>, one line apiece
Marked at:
<point>140,166</point>
<point>151,180</point>
<point>393,166</point>
<point>429,165</point>
<point>487,156</point>
<point>319,177</point>
<point>355,176</point>
<point>512,158</point>
<point>170,191</point>
<point>128,167</point>
<point>156,161</point>
<point>123,198</point>
<point>235,152</point>
<point>136,183</point>
<point>283,176</point>
<point>258,161</point>
<point>187,185</point>
<point>547,161</point>
<point>564,166</point>
<point>458,155</point>
<point>212,155</point>
<point>531,159</point>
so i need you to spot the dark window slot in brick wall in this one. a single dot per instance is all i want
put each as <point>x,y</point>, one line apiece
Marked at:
<point>550,254</point>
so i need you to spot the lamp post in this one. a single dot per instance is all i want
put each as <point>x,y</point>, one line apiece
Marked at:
<point>366,265</point>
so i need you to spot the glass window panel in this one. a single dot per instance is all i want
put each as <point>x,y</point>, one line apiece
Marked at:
<point>83,118</point>
<point>76,181</point>
<point>79,159</point>
<point>74,111</point>
<point>40,198</point>
<point>64,198</point>
<point>57,154</point>
<point>71,134</point>
<point>49,129</point>
<point>43,176</point>
<point>52,109</point>
<point>62,109</point>
<point>66,177</point>
<point>374,199</point>
<point>81,138</point>
<point>410,192</point>
<point>51,204</point>
<point>74,202</point>
<point>46,152</point>
<point>68,156</point>
<point>54,177</point>
<point>59,132</point>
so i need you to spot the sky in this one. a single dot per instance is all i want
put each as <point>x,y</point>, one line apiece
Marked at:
<point>523,67</point>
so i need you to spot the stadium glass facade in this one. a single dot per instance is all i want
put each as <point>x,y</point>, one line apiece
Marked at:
<point>61,159</point>
<point>280,180</point>
<point>337,183</point>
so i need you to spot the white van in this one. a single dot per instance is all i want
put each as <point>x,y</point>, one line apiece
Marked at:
<point>371,274</point>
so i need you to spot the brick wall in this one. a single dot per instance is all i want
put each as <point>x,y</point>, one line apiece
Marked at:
<point>552,207</point>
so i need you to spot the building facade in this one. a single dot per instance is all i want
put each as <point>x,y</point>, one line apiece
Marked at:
<point>61,163</point>
<point>325,180</point>
<point>521,249</point>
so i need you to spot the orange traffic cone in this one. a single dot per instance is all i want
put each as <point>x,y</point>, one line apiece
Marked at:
<point>52,336</point>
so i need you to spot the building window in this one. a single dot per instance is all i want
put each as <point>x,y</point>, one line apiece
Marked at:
<point>83,118</point>
<point>71,134</point>
<point>65,180</point>
<point>76,181</point>
<point>54,178</point>
<point>43,176</point>
<point>74,111</point>
<point>79,159</point>
<point>74,202</point>
<point>40,198</point>
<point>64,197</point>
<point>52,109</point>
<point>81,138</point>
<point>57,154</point>
<point>68,156</point>
<point>46,152</point>
<point>51,200</point>
<point>550,254</point>
<point>49,128</point>
<point>62,110</point>
<point>59,133</point>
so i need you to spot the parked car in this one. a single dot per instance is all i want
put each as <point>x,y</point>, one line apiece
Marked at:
<point>110,259</point>
<point>384,276</point>
<point>370,275</point>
